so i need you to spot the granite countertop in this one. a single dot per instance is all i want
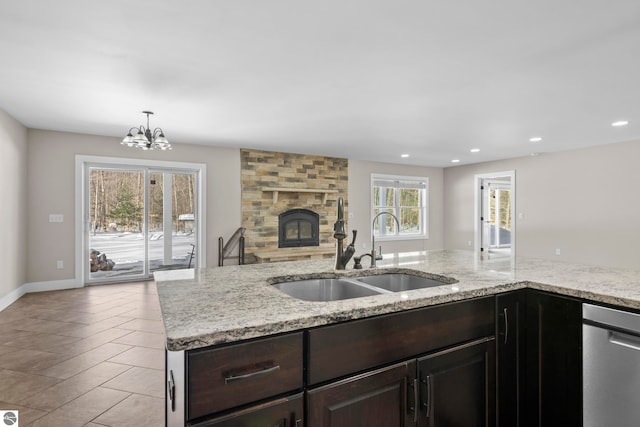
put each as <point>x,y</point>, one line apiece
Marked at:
<point>220,305</point>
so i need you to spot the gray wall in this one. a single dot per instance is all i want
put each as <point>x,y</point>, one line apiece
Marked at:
<point>360,204</point>
<point>13,190</point>
<point>51,170</point>
<point>51,189</point>
<point>585,202</point>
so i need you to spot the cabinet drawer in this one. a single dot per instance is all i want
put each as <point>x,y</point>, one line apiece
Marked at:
<point>285,412</point>
<point>226,377</point>
<point>368,343</point>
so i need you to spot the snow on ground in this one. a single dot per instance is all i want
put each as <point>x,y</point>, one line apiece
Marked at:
<point>127,251</point>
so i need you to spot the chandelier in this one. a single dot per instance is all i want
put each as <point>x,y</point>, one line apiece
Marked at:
<point>145,139</point>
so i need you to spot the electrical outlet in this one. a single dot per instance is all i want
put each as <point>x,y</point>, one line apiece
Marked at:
<point>469,243</point>
<point>60,265</point>
<point>557,251</point>
<point>521,215</point>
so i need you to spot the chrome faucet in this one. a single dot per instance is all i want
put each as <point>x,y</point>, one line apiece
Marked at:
<point>375,256</point>
<point>339,233</point>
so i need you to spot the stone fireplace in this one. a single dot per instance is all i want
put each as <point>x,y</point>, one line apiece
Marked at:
<point>298,227</point>
<point>301,190</point>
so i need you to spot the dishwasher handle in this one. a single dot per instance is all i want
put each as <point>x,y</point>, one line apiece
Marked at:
<point>624,340</point>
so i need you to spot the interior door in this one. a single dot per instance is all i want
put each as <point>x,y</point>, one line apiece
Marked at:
<point>485,223</point>
<point>495,198</point>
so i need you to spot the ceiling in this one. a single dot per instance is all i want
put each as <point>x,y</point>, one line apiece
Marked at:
<point>362,79</point>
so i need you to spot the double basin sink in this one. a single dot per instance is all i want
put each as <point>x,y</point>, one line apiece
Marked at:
<point>333,289</point>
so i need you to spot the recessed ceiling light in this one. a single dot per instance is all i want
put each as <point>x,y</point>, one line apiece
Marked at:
<point>474,150</point>
<point>620,123</point>
<point>535,139</point>
<point>404,156</point>
<point>455,161</point>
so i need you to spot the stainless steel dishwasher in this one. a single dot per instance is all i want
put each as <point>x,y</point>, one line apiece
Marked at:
<point>611,367</point>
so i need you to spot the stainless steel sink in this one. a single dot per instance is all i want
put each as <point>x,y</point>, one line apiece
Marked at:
<point>399,282</point>
<point>355,287</point>
<point>326,289</point>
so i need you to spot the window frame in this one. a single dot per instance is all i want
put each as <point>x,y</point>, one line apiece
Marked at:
<point>424,208</point>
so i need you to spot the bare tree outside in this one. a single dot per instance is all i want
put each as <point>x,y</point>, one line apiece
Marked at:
<point>118,220</point>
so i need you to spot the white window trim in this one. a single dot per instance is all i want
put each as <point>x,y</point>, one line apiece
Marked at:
<point>82,195</point>
<point>422,236</point>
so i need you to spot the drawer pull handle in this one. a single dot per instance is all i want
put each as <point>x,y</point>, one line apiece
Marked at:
<point>237,378</point>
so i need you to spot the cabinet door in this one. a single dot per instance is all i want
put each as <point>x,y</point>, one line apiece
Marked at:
<point>553,360</point>
<point>286,412</point>
<point>375,399</point>
<point>510,340</point>
<point>457,386</point>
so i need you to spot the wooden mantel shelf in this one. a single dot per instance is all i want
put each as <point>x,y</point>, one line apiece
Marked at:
<point>277,190</point>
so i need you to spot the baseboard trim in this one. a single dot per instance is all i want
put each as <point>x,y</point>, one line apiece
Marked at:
<point>52,285</point>
<point>12,297</point>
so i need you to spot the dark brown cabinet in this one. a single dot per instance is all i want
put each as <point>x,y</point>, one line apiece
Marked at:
<point>457,386</point>
<point>285,412</point>
<point>374,399</point>
<point>510,366</point>
<point>357,373</point>
<point>452,387</point>
<point>553,359</point>
<point>539,366</point>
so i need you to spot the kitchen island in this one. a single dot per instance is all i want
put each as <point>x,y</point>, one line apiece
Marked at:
<point>209,313</point>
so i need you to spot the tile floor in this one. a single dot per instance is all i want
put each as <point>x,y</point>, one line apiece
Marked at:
<point>84,357</point>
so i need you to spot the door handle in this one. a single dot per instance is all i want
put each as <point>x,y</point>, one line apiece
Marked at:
<point>429,396</point>
<point>505,332</point>
<point>426,397</point>
<point>506,324</point>
<point>416,403</point>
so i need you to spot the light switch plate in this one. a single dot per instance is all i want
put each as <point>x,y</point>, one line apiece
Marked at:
<point>56,218</point>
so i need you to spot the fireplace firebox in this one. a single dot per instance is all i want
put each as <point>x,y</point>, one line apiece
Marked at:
<point>298,227</point>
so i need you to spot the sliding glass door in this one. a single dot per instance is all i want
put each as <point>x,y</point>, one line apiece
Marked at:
<point>171,219</point>
<point>139,220</point>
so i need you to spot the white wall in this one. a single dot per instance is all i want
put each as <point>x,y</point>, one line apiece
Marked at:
<point>13,199</point>
<point>585,202</point>
<point>51,189</point>
<point>359,205</point>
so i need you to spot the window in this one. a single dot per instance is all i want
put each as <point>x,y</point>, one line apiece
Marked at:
<point>406,198</point>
